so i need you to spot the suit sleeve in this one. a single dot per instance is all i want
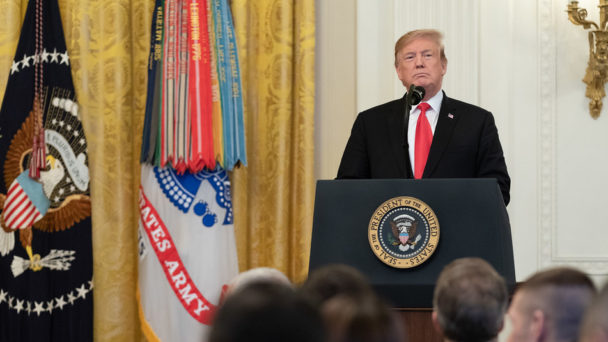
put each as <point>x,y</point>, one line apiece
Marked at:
<point>490,158</point>
<point>355,159</point>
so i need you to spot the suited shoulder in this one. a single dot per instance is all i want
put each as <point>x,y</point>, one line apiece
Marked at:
<point>457,106</point>
<point>384,109</point>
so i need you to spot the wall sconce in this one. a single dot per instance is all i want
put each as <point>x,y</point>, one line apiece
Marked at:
<point>597,67</point>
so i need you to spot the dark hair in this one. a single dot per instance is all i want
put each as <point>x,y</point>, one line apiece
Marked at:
<point>596,317</point>
<point>361,319</point>
<point>563,294</point>
<point>470,300</point>
<point>558,277</point>
<point>350,308</point>
<point>268,312</point>
<point>334,279</point>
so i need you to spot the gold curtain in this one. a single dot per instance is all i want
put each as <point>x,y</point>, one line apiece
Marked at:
<point>274,194</point>
<point>108,42</point>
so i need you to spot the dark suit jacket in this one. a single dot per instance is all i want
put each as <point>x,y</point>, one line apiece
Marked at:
<point>465,145</point>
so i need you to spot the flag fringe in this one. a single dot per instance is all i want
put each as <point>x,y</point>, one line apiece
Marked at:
<point>145,326</point>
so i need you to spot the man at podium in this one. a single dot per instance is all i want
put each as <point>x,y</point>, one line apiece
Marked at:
<point>438,138</point>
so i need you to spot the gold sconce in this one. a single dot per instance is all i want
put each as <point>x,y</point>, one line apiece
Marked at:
<point>597,67</point>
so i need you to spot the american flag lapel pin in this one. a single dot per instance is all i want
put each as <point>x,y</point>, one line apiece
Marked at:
<point>450,115</point>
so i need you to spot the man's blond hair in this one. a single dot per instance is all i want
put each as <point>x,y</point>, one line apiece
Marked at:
<point>429,34</point>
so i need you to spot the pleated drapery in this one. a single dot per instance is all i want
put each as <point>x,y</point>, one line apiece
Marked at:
<point>274,195</point>
<point>108,43</point>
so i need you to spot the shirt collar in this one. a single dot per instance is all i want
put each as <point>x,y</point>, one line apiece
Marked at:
<point>434,102</point>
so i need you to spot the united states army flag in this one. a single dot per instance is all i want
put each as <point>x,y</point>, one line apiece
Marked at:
<point>187,252</point>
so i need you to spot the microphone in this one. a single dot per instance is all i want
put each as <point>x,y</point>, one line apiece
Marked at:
<point>415,94</point>
<point>413,97</point>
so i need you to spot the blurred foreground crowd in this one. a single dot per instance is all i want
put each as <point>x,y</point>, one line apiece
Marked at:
<point>471,303</point>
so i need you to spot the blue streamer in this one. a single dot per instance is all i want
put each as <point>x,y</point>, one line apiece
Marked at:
<point>237,99</point>
<point>230,86</point>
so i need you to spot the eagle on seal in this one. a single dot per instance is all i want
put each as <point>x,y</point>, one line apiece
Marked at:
<point>404,229</point>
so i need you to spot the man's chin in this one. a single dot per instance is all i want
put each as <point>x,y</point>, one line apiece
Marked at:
<point>422,81</point>
<point>422,84</point>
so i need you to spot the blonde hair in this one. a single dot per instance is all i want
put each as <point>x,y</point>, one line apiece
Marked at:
<point>409,37</point>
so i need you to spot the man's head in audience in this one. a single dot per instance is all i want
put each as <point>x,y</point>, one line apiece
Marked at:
<point>470,301</point>
<point>257,275</point>
<point>549,306</point>
<point>595,323</point>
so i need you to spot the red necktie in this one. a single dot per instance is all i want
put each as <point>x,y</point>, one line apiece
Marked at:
<point>424,137</point>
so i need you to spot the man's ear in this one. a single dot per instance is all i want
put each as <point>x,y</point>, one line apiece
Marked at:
<point>436,322</point>
<point>538,325</point>
<point>502,325</point>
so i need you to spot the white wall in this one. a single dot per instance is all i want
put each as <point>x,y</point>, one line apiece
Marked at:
<point>521,59</point>
<point>336,82</point>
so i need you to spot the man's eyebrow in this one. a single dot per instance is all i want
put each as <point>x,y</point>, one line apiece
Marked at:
<point>415,52</point>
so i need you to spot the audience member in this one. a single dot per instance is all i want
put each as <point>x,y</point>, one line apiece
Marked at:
<point>361,319</point>
<point>335,279</point>
<point>255,275</point>
<point>266,312</point>
<point>595,322</point>
<point>549,306</point>
<point>351,310</point>
<point>470,301</point>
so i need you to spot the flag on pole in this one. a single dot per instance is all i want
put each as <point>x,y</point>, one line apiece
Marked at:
<point>193,133</point>
<point>45,241</point>
<point>186,251</point>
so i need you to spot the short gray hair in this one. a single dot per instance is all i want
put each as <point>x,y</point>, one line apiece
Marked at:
<point>257,275</point>
<point>470,300</point>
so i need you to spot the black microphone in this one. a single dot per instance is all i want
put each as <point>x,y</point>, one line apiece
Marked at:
<point>413,97</point>
<point>416,94</point>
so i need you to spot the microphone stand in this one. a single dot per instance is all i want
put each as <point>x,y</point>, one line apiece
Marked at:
<point>406,116</point>
<point>413,96</point>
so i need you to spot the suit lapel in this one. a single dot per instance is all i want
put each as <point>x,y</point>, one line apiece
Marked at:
<point>397,138</point>
<point>443,133</point>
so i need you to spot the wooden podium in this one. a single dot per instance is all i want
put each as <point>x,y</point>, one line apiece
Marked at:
<point>418,325</point>
<point>473,222</point>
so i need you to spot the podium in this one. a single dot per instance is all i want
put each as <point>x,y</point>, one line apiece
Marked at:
<point>473,222</point>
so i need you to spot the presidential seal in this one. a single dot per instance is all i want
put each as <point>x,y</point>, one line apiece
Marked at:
<point>403,232</point>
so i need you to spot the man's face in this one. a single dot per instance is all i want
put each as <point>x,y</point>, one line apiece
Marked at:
<point>521,325</point>
<point>420,63</point>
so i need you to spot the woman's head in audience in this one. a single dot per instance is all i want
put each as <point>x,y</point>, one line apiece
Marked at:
<point>336,279</point>
<point>361,319</point>
<point>266,312</point>
<point>351,310</point>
